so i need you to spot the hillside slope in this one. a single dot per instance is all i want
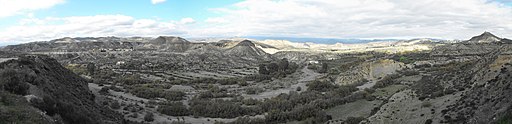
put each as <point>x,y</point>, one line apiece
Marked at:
<point>58,94</point>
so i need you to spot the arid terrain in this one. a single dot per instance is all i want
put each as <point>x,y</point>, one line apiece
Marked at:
<point>170,79</point>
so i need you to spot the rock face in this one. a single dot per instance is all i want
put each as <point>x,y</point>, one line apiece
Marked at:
<point>369,71</point>
<point>486,37</point>
<point>56,91</point>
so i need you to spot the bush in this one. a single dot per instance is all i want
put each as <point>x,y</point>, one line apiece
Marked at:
<point>428,121</point>
<point>104,91</point>
<point>149,93</point>
<point>77,69</point>
<point>220,108</point>
<point>354,120</point>
<point>409,72</point>
<point>15,110</point>
<point>115,105</point>
<point>130,80</point>
<point>278,68</point>
<point>405,60</point>
<point>427,87</point>
<point>243,83</point>
<point>321,86</point>
<point>247,120</point>
<point>426,104</point>
<point>258,77</point>
<point>299,113</point>
<point>174,109</point>
<point>253,90</point>
<point>13,81</point>
<point>228,81</point>
<point>507,119</point>
<point>149,117</point>
<point>174,95</point>
<point>386,81</point>
<point>250,101</point>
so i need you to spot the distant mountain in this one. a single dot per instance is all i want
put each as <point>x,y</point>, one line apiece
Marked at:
<point>77,44</point>
<point>162,40</point>
<point>169,43</point>
<point>247,49</point>
<point>486,37</point>
<point>320,40</point>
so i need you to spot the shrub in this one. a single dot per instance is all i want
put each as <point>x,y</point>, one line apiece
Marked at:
<point>250,101</point>
<point>428,121</point>
<point>354,120</point>
<point>174,109</point>
<point>247,120</point>
<point>258,77</point>
<point>146,92</point>
<point>321,86</point>
<point>228,81</point>
<point>426,104</point>
<point>428,87</point>
<point>149,117</point>
<point>253,90</point>
<point>174,95</point>
<point>104,91</point>
<point>115,105</point>
<point>405,60</point>
<point>409,72</point>
<point>15,110</point>
<point>220,108</point>
<point>13,81</point>
<point>386,81</point>
<point>243,83</point>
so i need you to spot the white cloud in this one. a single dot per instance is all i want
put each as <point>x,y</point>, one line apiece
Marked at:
<point>157,1</point>
<point>216,20</point>
<point>89,26</point>
<point>187,21</point>
<point>459,19</point>
<point>15,7</point>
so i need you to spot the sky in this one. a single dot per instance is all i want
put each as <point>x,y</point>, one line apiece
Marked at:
<point>40,20</point>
